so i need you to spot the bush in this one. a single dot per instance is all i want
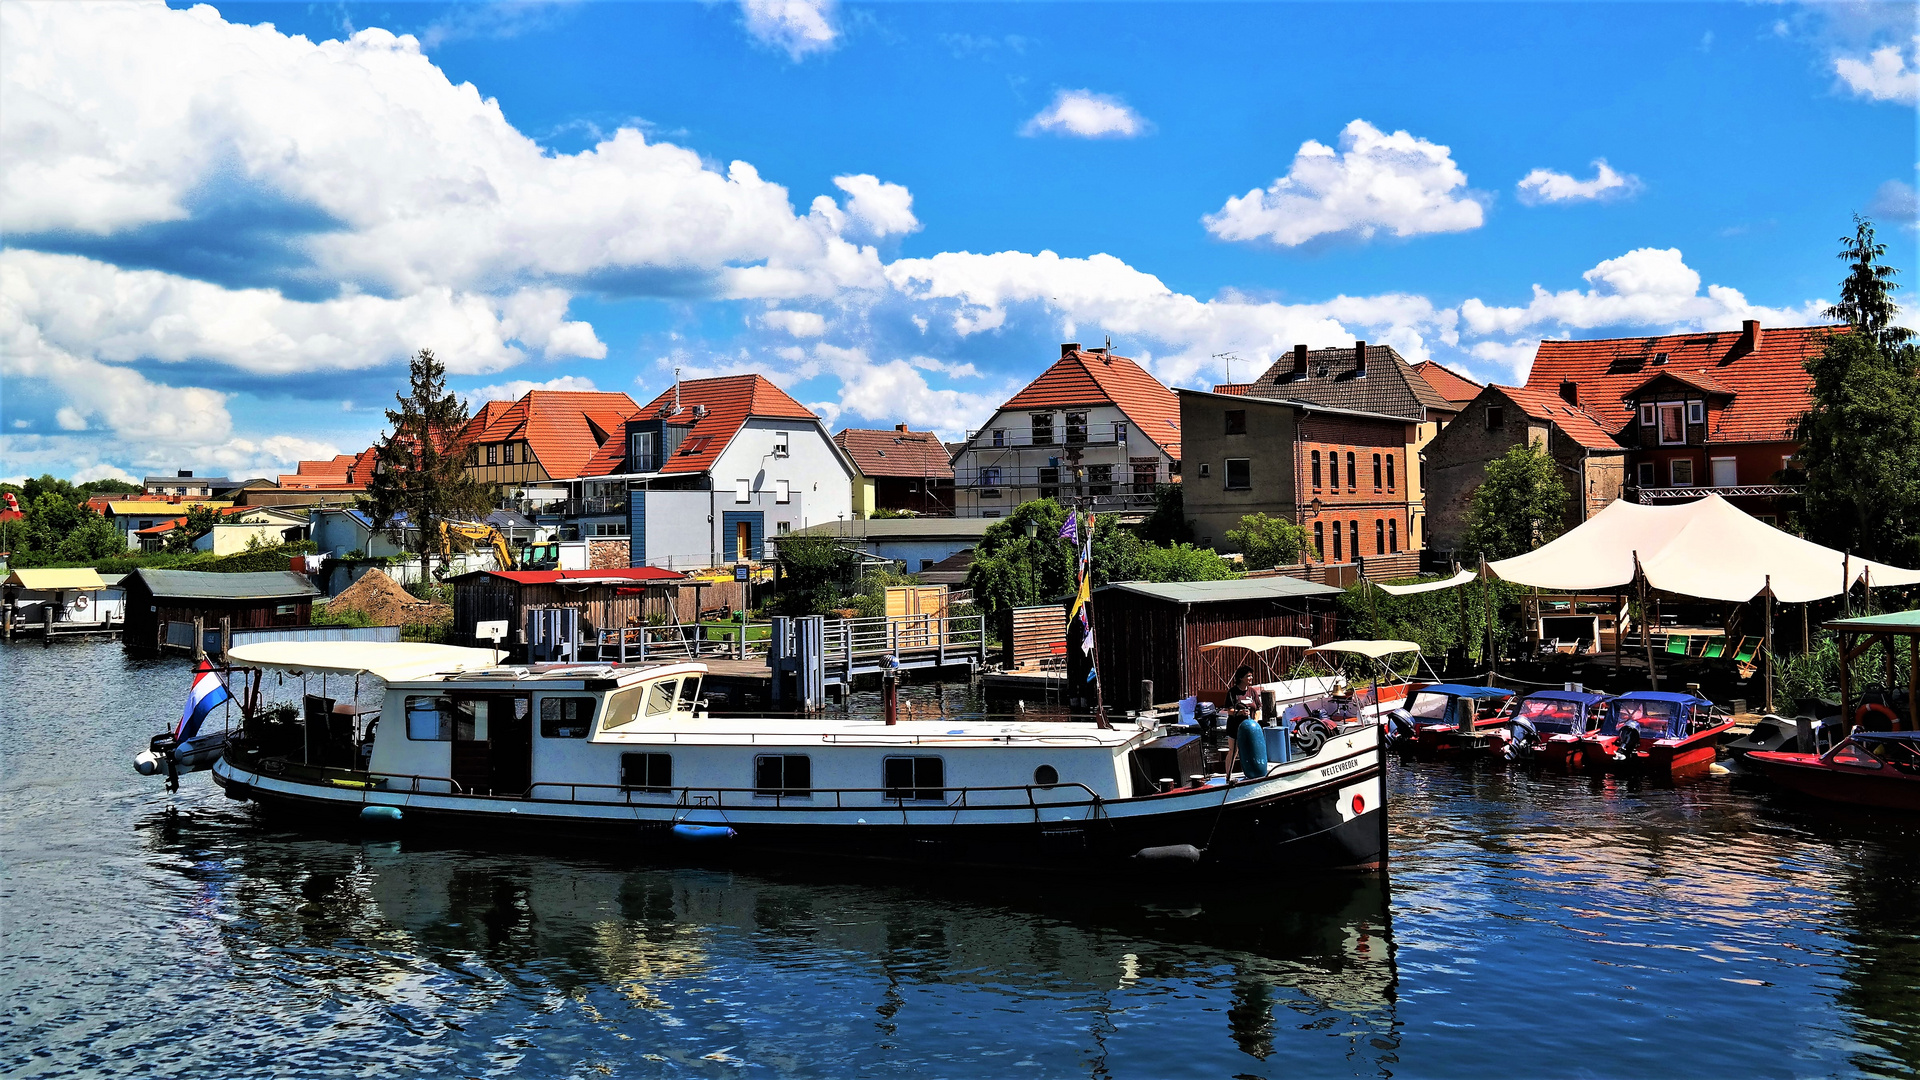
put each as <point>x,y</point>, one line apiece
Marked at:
<point>1434,620</point>
<point>813,572</point>
<point>1816,672</point>
<point>1268,541</point>
<point>324,615</point>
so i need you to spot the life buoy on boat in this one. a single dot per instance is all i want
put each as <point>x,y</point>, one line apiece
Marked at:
<point>1888,720</point>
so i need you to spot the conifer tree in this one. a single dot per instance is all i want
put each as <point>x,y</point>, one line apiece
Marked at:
<point>421,469</point>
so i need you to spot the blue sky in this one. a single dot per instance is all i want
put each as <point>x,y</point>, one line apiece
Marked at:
<point>227,226</point>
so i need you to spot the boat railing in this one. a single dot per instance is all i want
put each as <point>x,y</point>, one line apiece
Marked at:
<point>716,798</point>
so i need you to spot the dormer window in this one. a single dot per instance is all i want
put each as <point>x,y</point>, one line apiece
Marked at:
<point>1646,415</point>
<point>1673,429</point>
<point>1696,412</point>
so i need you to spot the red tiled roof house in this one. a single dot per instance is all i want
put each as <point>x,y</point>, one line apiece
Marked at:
<point>899,470</point>
<point>1093,426</point>
<point>707,471</point>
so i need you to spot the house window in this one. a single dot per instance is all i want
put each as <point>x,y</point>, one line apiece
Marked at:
<point>782,528</point>
<point>782,491</point>
<point>1646,415</point>
<point>644,445</point>
<point>916,778</point>
<point>1353,535</point>
<point>1379,536</point>
<point>1076,428</point>
<point>990,477</point>
<point>780,444</point>
<point>1673,429</point>
<point>1646,474</point>
<point>1390,485</point>
<point>1100,479</point>
<point>493,454</point>
<point>1337,556</point>
<point>1659,358</point>
<point>1726,472</point>
<point>1239,475</point>
<point>1316,470</point>
<point>1696,412</point>
<point>782,774</point>
<point>1119,431</point>
<point>506,453</point>
<point>1050,475</point>
<point>1204,470</point>
<point>1236,421</point>
<point>1496,416</point>
<point>429,719</point>
<point>650,773</point>
<point>1393,536</point>
<point>1146,472</point>
<point>1353,476</point>
<point>1042,429</point>
<point>1682,472</point>
<point>999,436</point>
<point>473,455</point>
<point>609,528</point>
<point>1376,472</point>
<point>742,491</point>
<point>565,717</point>
<point>1319,537</point>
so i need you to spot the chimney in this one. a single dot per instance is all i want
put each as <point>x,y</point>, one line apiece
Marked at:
<point>1749,338</point>
<point>901,428</point>
<point>1068,348</point>
<point>1570,392</point>
<point>1359,359</point>
<point>1300,362</point>
<point>184,472</point>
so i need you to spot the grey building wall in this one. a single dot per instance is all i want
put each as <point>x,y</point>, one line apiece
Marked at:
<point>1267,446</point>
<point>1457,465</point>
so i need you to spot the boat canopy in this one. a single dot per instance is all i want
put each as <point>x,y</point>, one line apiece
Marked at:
<point>1707,548</point>
<point>1583,697</point>
<point>388,661</point>
<point>1476,693</point>
<point>1374,649</point>
<point>1258,643</point>
<point>1664,695</point>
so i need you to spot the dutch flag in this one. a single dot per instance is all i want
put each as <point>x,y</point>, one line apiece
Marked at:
<point>206,693</point>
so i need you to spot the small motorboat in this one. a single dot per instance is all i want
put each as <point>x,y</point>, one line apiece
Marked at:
<point>1660,734</point>
<point>1446,720</point>
<point>1869,768</point>
<point>1547,726</point>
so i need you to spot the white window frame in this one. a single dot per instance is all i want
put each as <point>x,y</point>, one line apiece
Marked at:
<point>1673,472</point>
<point>742,491</point>
<point>999,436</point>
<point>1205,470</point>
<point>782,444</point>
<point>1678,409</point>
<point>1648,417</point>
<point>1696,412</point>
<point>782,492</point>
<point>1713,473</point>
<point>1648,475</point>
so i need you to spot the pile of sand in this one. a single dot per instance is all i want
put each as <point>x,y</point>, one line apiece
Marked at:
<point>385,603</point>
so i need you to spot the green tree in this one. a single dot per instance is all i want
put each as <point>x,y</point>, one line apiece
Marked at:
<point>1520,505</point>
<point>420,477</point>
<point>1183,562</point>
<point>814,571</point>
<point>1012,569</point>
<point>200,521</point>
<point>109,486</point>
<point>1858,439</point>
<point>1168,524</point>
<point>1268,542</point>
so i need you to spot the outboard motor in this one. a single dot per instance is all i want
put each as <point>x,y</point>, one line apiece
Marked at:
<point>1523,740</point>
<point>1626,742</point>
<point>1399,728</point>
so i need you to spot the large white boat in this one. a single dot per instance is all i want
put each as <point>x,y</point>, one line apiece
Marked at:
<point>630,754</point>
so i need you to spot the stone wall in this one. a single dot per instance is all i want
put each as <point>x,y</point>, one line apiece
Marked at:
<point>607,554</point>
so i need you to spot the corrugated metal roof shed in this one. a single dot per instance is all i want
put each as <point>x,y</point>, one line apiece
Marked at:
<point>198,585</point>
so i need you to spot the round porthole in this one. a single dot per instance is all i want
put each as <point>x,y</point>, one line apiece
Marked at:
<point>1046,776</point>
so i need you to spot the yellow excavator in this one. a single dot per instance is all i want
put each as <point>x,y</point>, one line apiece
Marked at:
<point>475,533</point>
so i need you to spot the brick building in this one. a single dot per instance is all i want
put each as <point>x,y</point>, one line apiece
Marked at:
<point>1341,474</point>
<point>1593,465</point>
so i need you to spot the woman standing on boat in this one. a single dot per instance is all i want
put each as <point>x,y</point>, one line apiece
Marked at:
<point>1243,720</point>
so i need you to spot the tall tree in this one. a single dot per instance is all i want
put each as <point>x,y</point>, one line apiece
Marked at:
<point>1860,439</point>
<point>1268,541</point>
<point>1519,506</point>
<point>420,477</point>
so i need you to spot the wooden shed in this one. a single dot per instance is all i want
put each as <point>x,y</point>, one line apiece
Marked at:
<point>163,606</point>
<point>604,599</point>
<point>1148,630</point>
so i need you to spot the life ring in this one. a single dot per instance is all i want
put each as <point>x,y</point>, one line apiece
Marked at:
<point>79,602</point>
<point>1890,720</point>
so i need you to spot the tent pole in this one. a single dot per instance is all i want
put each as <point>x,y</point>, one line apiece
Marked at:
<point>1486,598</point>
<point>1619,614</point>
<point>1769,644</point>
<point>1846,683</point>
<point>1846,585</point>
<point>1646,640</point>
<point>1913,681</point>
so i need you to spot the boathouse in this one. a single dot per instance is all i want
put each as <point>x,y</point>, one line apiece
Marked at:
<point>164,606</point>
<point>51,602</point>
<point>1154,630</point>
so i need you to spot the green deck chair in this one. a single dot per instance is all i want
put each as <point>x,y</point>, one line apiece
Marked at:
<point>1714,649</point>
<point>1749,646</point>
<point>1677,644</point>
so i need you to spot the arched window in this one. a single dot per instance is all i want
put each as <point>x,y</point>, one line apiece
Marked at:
<point>1337,556</point>
<point>1316,470</point>
<point>1379,536</point>
<point>1353,534</point>
<point>1389,472</point>
<point>1353,477</point>
<point>1376,472</point>
<point>1320,539</point>
<point>1393,536</point>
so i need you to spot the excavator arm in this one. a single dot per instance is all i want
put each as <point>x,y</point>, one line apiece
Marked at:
<point>475,533</point>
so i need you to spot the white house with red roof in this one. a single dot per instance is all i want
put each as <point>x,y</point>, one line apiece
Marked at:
<point>1095,426</point>
<point>705,473</point>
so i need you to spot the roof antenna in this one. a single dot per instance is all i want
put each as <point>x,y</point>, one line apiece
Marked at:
<point>676,393</point>
<point>1229,358</point>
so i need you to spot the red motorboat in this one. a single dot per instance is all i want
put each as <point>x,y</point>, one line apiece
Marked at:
<point>1868,768</point>
<point>1662,735</point>
<point>1548,725</point>
<point>1444,720</point>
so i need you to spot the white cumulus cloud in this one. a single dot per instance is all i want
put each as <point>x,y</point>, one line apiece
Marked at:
<point>797,27</point>
<point>1547,186</point>
<point>800,324</point>
<point>1888,73</point>
<point>515,389</point>
<point>1397,182</point>
<point>1084,114</point>
<point>880,209</point>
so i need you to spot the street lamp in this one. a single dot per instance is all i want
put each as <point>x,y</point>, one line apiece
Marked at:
<point>1032,529</point>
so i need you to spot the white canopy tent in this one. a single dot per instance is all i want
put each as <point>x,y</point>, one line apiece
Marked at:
<point>1706,548</point>
<point>388,661</point>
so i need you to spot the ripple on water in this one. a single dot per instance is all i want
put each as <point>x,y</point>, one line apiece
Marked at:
<point>1532,924</point>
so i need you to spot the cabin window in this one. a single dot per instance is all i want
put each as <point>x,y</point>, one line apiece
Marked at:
<point>689,693</point>
<point>566,717</point>
<point>650,773</point>
<point>429,719</point>
<point>921,779</point>
<point>285,609</point>
<point>1076,427</point>
<point>1236,421</point>
<point>1239,475</point>
<point>623,707</point>
<point>1316,470</point>
<point>782,774</point>
<point>1046,776</point>
<point>661,696</point>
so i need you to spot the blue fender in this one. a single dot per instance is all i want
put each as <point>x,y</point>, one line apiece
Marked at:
<point>703,833</point>
<point>379,815</point>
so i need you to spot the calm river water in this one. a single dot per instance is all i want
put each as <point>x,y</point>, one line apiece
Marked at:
<point>1532,926</point>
